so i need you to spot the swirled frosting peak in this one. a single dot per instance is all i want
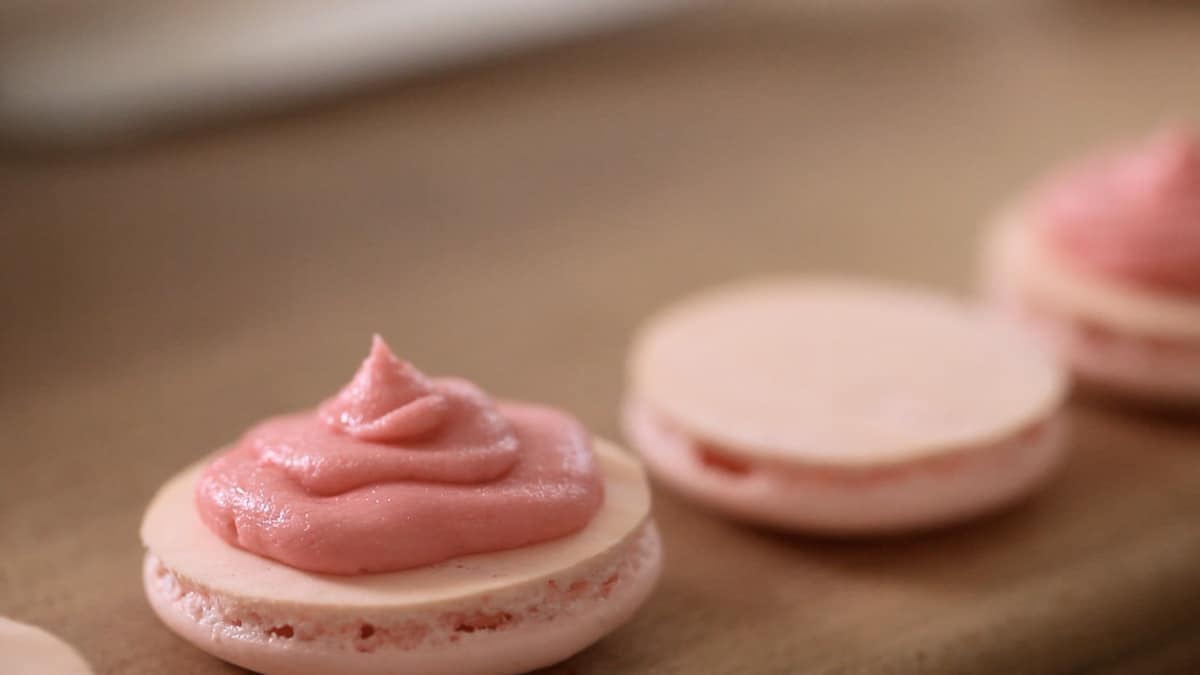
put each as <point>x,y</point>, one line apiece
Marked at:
<point>399,470</point>
<point>388,400</point>
<point>1132,215</point>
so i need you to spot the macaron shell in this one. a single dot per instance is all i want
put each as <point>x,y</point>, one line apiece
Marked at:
<point>29,650</point>
<point>841,372</point>
<point>1020,265</point>
<point>515,649</point>
<point>927,494</point>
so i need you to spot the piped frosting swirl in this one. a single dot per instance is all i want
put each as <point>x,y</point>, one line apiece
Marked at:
<point>399,470</point>
<point>1132,215</point>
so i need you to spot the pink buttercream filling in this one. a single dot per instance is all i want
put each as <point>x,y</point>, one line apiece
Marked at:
<point>398,471</point>
<point>1132,215</point>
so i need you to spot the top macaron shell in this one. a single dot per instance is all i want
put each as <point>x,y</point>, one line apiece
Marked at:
<point>841,372</point>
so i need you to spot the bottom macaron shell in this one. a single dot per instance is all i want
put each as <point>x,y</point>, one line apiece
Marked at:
<point>540,627</point>
<point>926,494</point>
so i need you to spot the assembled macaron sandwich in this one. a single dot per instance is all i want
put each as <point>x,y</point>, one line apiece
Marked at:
<point>406,525</point>
<point>842,406</point>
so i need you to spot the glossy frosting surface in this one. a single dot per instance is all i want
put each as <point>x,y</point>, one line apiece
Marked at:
<point>399,470</point>
<point>1131,215</point>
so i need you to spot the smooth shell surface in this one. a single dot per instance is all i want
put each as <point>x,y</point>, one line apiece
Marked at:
<point>841,372</point>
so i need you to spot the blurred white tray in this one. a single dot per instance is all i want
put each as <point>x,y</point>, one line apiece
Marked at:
<point>95,71</point>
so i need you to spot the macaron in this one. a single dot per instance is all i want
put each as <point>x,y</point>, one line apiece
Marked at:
<point>407,525</point>
<point>1101,261</point>
<point>842,406</point>
<point>29,650</point>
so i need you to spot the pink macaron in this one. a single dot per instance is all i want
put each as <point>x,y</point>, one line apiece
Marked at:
<point>842,406</point>
<point>1101,261</point>
<point>406,525</point>
<point>29,650</point>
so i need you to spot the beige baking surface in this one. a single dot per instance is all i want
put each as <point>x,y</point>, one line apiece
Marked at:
<point>154,303</point>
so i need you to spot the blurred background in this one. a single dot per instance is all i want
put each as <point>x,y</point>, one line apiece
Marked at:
<point>158,193</point>
<point>207,208</point>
